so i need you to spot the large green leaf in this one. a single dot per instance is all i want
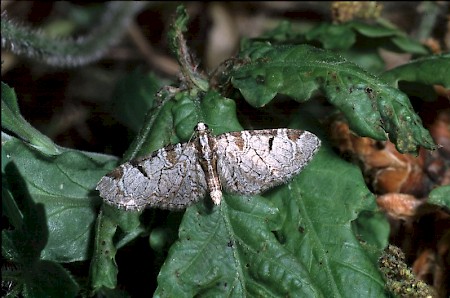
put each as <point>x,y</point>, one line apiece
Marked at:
<point>23,245</point>
<point>294,241</point>
<point>64,185</point>
<point>371,106</point>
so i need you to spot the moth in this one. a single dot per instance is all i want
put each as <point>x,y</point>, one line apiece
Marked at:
<point>245,162</point>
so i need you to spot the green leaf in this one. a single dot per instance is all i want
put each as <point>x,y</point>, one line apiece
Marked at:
<point>346,35</point>
<point>220,250</point>
<point>103,269</point>
<point>440,196</point>
<point>374,31</point>
<point>296,240</point>
<point>409,46</point>
<point>64,184</point>
<point>9,205</point>
<point>371,106</point>
<point>327,243</point>
<point>134,95</point>
<point>357,41</point>
<point>24,245</point>
<point>393,38</point>
<point>103,266</point>
<point>219,113</point>
<point>373,228</point>
<point>180,111</point>
<point>175,118</point>
<point>49,279</point>
<point>428,70</point>
<point>13,121</point>
<point>333,36</point>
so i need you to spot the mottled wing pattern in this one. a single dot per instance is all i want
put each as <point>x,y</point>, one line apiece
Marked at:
<point>170,178</point>
<point>250,162</point>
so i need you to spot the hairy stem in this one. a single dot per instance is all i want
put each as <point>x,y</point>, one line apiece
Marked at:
<point>34,44</point>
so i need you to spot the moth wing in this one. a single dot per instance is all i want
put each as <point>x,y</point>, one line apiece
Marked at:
<point>250,162</point>
<point>170,178</point>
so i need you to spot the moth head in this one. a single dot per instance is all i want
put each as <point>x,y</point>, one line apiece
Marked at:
<point>201,127</point>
